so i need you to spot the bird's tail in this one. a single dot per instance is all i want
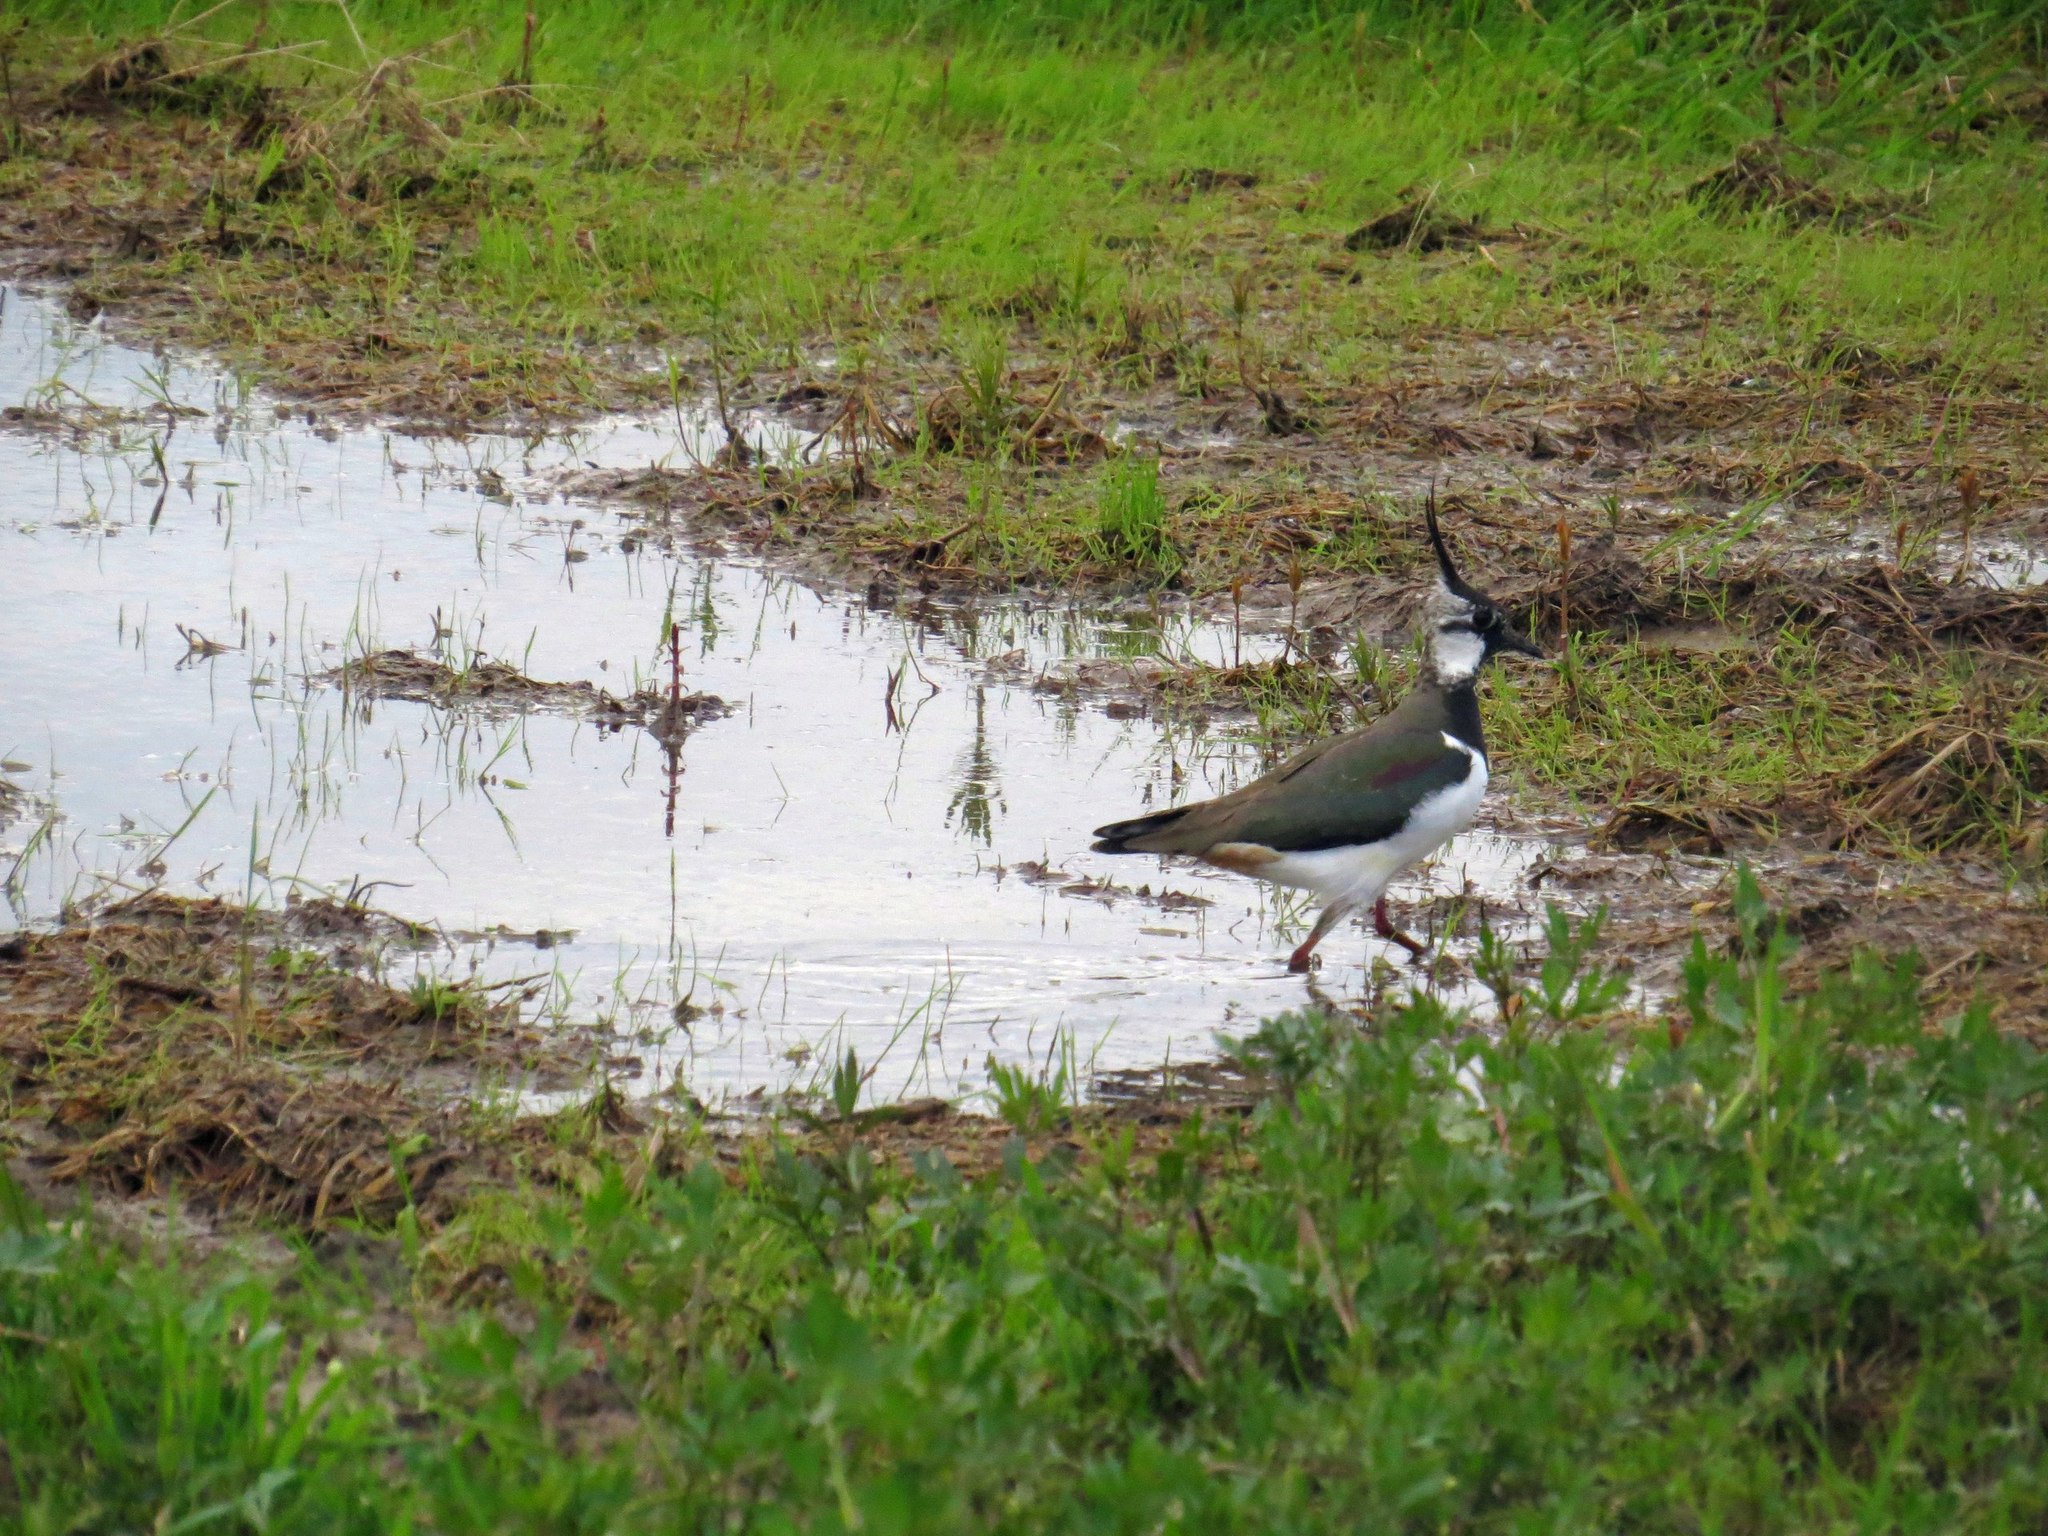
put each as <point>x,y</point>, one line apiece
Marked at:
<point>1130,836</point>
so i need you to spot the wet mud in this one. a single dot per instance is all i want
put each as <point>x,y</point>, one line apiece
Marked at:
<point>226,1053</point>
<point>497,686</point>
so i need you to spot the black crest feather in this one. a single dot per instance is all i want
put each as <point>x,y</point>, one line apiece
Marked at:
<point>1436,539</point>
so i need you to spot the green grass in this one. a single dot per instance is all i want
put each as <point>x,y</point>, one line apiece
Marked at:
<point>1792,736</point>
<point>1130,519</point>
<point>782,178</point>
<point>1774,1267</point>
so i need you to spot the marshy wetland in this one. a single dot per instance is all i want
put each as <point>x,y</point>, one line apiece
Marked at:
<point>251,658</point>
<point>573,582</point>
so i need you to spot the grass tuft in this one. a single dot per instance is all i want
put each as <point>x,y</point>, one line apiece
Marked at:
<point>1130,518</point>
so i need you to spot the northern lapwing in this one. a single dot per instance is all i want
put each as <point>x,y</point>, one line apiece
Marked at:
<point>1347,815</point>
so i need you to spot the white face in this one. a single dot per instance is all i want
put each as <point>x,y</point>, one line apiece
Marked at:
<point>1445,607</point>
<point>1455,649</point>
<point>1456,652</point>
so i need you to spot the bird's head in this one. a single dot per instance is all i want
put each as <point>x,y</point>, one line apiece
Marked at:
<point>1466,627</point>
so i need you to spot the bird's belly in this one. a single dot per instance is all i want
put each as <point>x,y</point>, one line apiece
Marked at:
<point>1363,872</point>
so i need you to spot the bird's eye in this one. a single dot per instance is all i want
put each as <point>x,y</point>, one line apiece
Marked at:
<point>1489,618</point>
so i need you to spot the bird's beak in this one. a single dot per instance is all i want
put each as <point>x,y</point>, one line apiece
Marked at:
<point>1512,639</point>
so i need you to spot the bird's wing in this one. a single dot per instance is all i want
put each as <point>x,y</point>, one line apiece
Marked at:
<point>1352,789</point>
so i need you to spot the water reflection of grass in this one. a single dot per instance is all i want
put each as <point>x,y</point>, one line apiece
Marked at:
<point>977,797</point>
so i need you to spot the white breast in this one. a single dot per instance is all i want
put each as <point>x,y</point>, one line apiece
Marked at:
<point>1362,874</point>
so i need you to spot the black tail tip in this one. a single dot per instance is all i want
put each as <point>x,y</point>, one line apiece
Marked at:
<point>1116,836</point>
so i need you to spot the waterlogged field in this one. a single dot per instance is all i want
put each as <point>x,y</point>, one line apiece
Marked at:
<point>574,577</point>
<point>250,658</point>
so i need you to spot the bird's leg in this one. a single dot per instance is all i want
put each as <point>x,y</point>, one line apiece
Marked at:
<point>1298,962</point>
<point>1383,925</point>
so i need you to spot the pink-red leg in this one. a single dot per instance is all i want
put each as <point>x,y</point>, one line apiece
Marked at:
<point>1383,925</point>
<point>1302,958</point>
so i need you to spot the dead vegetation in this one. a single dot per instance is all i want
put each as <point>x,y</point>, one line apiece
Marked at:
<point>1149,1107</point>
<point>220,1056</point>
<point>1981,767</point>
<point>1205,178</point>
<point>206,1047</point>
<point>1094,888</point>
<point>1762,178</point>
<point>170,71</point>
<point>496,685</point>
<point>374,139</point>
<point>2018,99</point>
<point>1602,587</point>
<point>382,146</point>
<point>985,424</point>
<point>14,802</point>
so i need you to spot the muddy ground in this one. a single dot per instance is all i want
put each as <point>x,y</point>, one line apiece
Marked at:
<point>198,1066</point>
<point>194,1065</point>
<point>498,687</point>
<point>249,1061</point>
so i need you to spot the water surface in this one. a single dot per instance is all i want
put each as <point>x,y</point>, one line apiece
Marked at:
<point>884,846</point>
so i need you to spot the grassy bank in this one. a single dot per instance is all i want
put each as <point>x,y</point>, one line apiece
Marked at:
<point>1770,1266</point>
<point>928,195</point>
<point>933,182</point>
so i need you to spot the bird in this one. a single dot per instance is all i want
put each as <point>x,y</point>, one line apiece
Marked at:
<point>1342,818</point>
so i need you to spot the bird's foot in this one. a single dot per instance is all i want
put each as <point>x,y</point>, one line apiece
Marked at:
<point>1302,960</point>
<point>1383,925</point>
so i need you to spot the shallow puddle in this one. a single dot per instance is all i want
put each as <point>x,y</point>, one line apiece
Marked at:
<point>883,846</point>
<point>2011,565</point>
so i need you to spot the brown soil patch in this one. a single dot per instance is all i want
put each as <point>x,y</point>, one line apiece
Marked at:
<point>1039,433</point>
<point>1602,587</point>
<point>2020,101</point>
<point>1977,938</point>
<point>195,1045</point>
<point>145,75</point>
<point>1151,1104</point>
<point>1203,178</point>
<point>195,1051</point>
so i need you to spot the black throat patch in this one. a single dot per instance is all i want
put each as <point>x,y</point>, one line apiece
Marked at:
<point>1461,715</point>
